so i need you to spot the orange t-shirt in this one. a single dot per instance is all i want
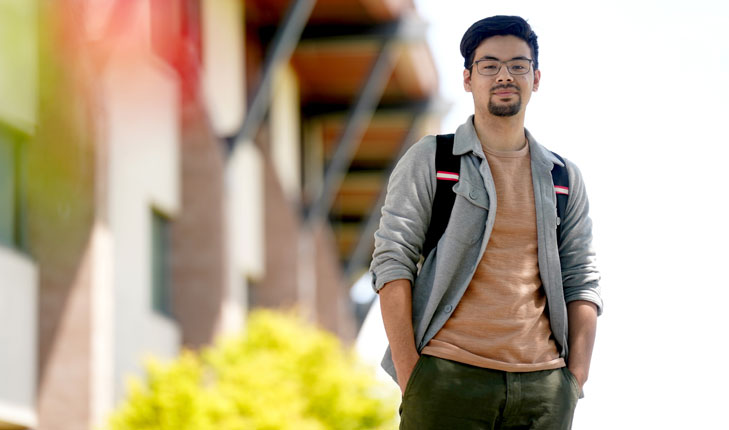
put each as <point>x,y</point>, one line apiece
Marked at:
<point>500,322</point>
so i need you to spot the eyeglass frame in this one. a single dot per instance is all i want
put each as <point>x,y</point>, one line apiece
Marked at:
<point>502,63</point>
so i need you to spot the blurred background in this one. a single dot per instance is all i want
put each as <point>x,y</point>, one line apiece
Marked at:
<point>167,166</point>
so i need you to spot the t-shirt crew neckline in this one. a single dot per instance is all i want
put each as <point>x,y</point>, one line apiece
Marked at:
<point>524,150</point>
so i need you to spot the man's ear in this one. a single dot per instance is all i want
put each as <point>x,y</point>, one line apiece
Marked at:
<point>537,77</point>
<point>467,80</point>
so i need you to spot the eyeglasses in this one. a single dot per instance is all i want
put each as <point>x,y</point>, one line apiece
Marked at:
<point>489,67</point>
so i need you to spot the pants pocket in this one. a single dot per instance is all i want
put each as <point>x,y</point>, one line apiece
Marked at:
<point>572,381</point>
<point>413,374</point>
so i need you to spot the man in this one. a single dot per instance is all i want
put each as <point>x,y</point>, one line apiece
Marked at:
<point>496,328</point>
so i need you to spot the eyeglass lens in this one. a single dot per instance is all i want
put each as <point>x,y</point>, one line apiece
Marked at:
<point>492,67</point>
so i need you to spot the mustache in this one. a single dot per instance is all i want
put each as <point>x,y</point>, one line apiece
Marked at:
<point>504,87</point>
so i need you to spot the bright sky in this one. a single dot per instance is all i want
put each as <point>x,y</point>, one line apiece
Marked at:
<point>635,92</point>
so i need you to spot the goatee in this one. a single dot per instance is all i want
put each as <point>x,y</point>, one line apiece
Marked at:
<point>505,110</point>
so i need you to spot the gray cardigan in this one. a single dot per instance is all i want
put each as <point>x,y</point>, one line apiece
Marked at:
<point>567,274</point>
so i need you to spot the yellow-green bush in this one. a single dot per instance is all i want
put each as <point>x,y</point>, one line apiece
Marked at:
<point>281,373</point>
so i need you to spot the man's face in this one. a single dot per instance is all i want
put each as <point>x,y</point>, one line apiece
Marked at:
<point>502,94</point>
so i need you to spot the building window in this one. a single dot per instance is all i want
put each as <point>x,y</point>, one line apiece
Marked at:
<point>161,265</point>
<point>10,187</point>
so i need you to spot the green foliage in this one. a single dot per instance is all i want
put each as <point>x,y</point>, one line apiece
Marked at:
<point>281,373</point>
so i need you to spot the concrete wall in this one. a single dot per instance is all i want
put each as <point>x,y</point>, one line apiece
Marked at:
<point>223,69</point>
<point>18,298</point>
<point>286,282</point>
<point>286,132</point>
<point>245,197</point>
<point>223,83</point>
<point>142,102</point>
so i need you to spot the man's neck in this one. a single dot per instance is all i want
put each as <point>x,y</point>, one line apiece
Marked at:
<point>500,133</point>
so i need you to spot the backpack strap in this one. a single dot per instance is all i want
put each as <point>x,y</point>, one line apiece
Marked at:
<point>447,168</point>
<point>562,192</point>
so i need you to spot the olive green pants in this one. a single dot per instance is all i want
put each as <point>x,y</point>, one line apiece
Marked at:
<point>444,395</point>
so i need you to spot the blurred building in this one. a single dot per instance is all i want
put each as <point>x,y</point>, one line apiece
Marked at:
<point>167,165</point>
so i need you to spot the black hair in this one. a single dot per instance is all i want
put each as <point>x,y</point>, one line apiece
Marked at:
<point>499,25</point>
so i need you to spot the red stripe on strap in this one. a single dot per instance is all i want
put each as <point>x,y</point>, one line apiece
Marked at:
<point>447,176</point>
<point>561,190</point>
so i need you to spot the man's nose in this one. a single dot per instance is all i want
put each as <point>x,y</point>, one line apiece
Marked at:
<point>504,75</point>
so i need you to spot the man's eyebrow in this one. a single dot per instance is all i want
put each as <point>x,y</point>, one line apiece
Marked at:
<point>488,57</point>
